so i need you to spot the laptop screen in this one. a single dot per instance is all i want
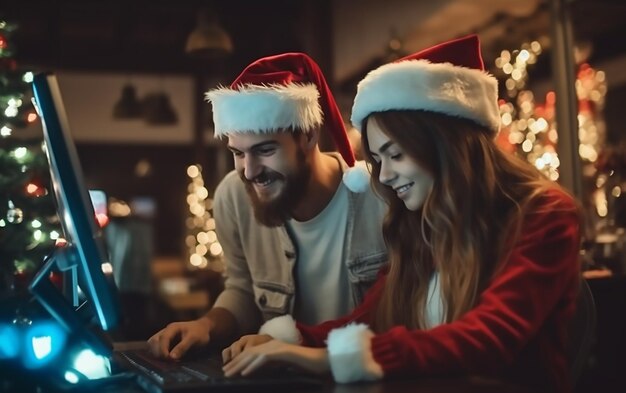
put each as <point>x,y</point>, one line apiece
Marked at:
<point>83,261</point>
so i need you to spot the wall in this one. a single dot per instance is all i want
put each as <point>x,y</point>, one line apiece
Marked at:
<point>90,97</point>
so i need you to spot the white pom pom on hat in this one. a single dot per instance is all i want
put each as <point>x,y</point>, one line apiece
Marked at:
<point>357,178</point>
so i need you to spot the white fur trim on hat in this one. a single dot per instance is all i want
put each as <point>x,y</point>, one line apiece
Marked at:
<point>357,178</point>
<point>350,354</point>
<point>282,328</point>
<point>265,108</point>
<point>437,87</point>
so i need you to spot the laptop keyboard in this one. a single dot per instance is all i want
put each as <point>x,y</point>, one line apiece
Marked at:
<point>168,372</point>
<point>198,375</point>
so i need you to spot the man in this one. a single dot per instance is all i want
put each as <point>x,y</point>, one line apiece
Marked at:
<point>296,238</point>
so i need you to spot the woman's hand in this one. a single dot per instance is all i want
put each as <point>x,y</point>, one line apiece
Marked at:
<point>244,342</point>
<point>252,358</point>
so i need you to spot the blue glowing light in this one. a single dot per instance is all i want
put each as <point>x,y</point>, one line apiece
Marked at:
<point>71,377</point>
<point>42,346</point>
<point>43,342</point>
<point>92,365</point>
<point>9,342</point>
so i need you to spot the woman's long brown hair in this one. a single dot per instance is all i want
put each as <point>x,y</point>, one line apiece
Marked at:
<point>466,222</point>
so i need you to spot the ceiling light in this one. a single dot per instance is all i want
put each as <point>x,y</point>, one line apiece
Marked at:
<point>208,39</point>
<point>158,110</point>
<point>128,106</point>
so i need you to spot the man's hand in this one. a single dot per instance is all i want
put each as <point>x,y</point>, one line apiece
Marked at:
<point>187,334</point>
<point>244,342</point>
<point>252,358</point>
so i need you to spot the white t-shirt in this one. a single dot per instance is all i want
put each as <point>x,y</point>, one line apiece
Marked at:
<point>322,290</point>
<point>434,303</point>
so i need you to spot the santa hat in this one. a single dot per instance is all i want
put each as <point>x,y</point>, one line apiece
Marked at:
<point>448,78</point>
<point>286,91</point>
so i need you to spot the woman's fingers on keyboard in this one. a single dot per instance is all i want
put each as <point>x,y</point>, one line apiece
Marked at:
<point>235,349</point>
<point>238,364</point>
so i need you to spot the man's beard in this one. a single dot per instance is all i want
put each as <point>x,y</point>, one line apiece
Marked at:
<point>278,210</point>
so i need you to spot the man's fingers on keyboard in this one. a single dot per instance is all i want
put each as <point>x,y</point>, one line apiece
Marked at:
<point>164,346</point>
<point>180,349</point>
<point>154,345</point>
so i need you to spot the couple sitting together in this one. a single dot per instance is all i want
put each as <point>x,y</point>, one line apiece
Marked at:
<point>459,259</point>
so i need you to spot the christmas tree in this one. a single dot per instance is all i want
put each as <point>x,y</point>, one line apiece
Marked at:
<point>529,126</point>
<point>529,129</point>
<point>203,248</point>
<point>29,225</point>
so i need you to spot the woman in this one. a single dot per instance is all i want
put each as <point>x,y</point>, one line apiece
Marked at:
<point>483,270</point>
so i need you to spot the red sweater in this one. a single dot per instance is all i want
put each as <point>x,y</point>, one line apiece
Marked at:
<point>517,329</point>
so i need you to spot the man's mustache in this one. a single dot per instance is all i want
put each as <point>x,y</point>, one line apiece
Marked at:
<point>262,177</point>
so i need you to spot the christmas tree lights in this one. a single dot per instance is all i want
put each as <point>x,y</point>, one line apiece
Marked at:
<point>529,127</point>
<point>203,249</point>
<point>29,225</point>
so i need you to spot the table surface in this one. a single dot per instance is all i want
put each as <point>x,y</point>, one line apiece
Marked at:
<point>422,385</point>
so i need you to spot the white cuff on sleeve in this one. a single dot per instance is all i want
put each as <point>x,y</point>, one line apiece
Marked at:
<point>350,354</point>
<point>282,328</point>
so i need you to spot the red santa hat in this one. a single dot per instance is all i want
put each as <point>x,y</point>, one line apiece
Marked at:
<point>448,78</point>
<point>281,92</point>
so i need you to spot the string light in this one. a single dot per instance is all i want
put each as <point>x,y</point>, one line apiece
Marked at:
<point>529,128</point>
<point>204,250</point>
<point>29,222</point>
<point>28,77</point>
<point>591,90</point>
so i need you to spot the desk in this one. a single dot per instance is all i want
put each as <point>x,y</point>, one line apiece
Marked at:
<point>425,385</point>
<point>422,385</point>
<point>28,382</point>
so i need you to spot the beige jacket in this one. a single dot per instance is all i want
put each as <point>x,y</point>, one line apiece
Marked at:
<point>260,260</point>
